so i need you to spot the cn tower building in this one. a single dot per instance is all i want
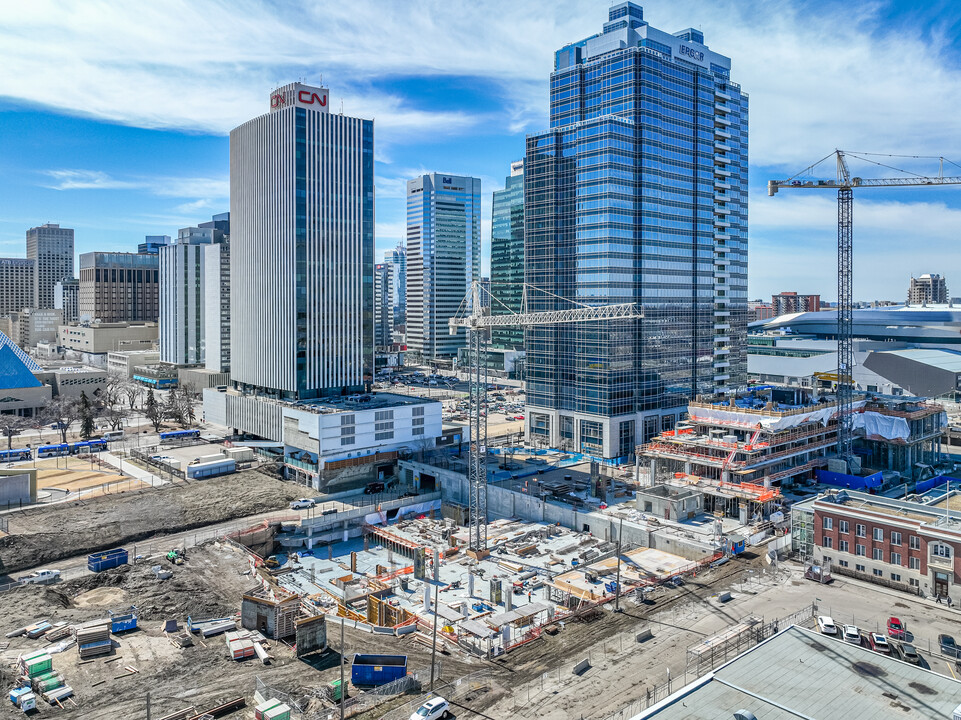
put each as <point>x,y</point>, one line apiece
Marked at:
<point>302,249</point>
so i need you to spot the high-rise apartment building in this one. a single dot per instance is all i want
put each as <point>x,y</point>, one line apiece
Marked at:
<point>66,297</point>
<point>302,248</point>
<point>790,302</point>
<point>383,309</point>
<point>18,284</point>
<point>507,256</point>
<point>637,193</point>
<point>52,247</point>
<point>191,293</point>
<point>119,287</point>
<point>929,288</point>
<point>153,243</point>
<point>443,259</point>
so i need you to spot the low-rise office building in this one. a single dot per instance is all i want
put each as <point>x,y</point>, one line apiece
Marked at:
<point>123,362</point>
<point>38,326</point>
<point>912,544</point>
<point>92,342</point>
<point>333,440</point>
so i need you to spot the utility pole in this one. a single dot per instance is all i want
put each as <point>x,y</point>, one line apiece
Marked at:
<point>617,583</point>
<point>342,688</point>
<point>433,644</point>
<point>148,705</point>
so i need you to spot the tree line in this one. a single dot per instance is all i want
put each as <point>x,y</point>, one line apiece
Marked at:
<point>108,406</point>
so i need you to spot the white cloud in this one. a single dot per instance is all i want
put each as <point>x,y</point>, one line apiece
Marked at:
<point>793,239</point>
<point>819,76</point>
<point>87,180</point>
<point>205,189</point>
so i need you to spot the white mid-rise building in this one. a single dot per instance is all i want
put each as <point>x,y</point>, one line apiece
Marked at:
<point>302,249</point>
<point>193,287</point>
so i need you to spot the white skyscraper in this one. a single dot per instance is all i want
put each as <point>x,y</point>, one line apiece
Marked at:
<point>192,287</point>
<point>302,248</point>
<point>443,258</point>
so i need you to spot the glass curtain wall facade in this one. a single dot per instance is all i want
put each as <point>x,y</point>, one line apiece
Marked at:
<point>507,256</point>
<point>637,193</point>
<point>443,259</point>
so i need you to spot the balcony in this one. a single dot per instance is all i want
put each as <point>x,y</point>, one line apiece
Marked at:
<point>720,185</point>
<point>722,326</point>
<point>721,378</point>
<point>721,222</point>
<point>718,132</point>
<point>722,338</point>
<point>720,210</point>
<point>721,351</point>
<point>724,147</point>
<point>723,159</point>
<point>720,365</point>
<point>723,107</point>
<point>721,121</point>
<point>725,197</point>
<point>721,172</point>
<point>721,95</point>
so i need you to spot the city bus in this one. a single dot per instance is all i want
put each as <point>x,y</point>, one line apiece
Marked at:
<point>15,455</point>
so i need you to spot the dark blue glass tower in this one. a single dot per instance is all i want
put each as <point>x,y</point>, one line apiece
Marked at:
<point>637,193</point>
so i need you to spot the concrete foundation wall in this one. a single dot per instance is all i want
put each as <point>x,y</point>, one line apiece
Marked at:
<point>311,634</point>
<point>504,503</point>
<point>18,486</point>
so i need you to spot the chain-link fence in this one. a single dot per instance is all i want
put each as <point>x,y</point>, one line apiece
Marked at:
<point>457,691</point>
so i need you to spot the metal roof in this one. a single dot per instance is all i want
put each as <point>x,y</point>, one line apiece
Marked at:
<point>942,359</point>
<point>799,673</point>
<point>524,611</point>
<point>14,373</point>
<point>476,627</point>
<point>31,364</point>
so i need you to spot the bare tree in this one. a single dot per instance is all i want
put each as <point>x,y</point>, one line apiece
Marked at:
<point>131,392</point>
<point>112,392</point>
<point>62,411</point>
<point>114,415</point>
<point>11,426</point>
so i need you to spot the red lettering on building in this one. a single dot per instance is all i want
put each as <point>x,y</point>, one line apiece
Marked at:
<point>276,100</point>
<point>311,98</point>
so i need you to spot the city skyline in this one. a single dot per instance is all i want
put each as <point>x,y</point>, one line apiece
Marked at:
<point>155,152</point>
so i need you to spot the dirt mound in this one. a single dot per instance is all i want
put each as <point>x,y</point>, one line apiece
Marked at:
<point>37,535</point>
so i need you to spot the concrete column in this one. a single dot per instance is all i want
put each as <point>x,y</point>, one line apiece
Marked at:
<point>687,468</point>
<point>436,565</point>
<point>509,600</point>
<point>651,467</point>
<point>742,513</point>
<point>426,597</point>
<point>470,584</point>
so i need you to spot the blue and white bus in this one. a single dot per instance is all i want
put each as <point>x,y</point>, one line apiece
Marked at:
<point>48,451</point>
<point>179,434</point>
<point>15,455</point>
<point>88,446</point>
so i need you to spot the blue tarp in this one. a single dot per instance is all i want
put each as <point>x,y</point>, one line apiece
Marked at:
<point>851,482</point>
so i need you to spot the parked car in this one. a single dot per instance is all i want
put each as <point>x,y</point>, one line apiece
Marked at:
<point>40,577</point>
<point>302,504</point>
<point>948,646</point>
<point>896,628</point>
<point>852,634</point>
<point>909,653</point>
<point>826,625</point>
<point>879,643</point>
<point>374,488</point>
<point>434,708</point>
<point>818,574</point>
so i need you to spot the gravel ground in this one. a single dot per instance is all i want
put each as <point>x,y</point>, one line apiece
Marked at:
<point>45,534</point>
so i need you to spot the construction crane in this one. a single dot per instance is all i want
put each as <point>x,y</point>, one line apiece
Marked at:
<point>844,183</point>
<point>478,321</point>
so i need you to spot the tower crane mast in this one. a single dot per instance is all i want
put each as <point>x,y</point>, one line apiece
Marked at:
<point>478,321</point>
<point>844,183</point>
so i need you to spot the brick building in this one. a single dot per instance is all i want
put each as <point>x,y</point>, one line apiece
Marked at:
<point>913,545</point>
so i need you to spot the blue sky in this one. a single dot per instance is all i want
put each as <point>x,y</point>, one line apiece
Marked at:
<point>114,114</point>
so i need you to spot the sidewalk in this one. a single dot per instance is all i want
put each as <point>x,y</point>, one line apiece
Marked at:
<point>128,468</point>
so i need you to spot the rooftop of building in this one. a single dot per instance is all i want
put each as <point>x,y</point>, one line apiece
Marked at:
<point>923,510</point>
<point>799,673</point>
<point>772,400</point>
<point>350,403</point>
<point>28,362</point>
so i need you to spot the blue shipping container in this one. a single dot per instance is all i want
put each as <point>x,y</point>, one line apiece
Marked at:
<point>106,560</point>
<point>377,669</point>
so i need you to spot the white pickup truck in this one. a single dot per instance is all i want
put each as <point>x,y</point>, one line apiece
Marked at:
<point>40,577</point>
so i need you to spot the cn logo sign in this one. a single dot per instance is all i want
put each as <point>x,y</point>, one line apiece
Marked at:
<point>277,100</point>
<point>311,98</point>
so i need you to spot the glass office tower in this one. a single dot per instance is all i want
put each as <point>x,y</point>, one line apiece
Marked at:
<point>507,256</point>
<point>637,193</point>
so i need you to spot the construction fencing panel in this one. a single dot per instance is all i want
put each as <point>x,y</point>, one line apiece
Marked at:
<point>454,691</point>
